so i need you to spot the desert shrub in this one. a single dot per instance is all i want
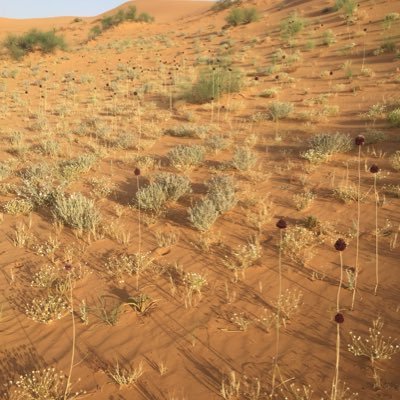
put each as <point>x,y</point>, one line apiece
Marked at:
<point>69,169</point>
<point>76,211</point>
<point>349,7</point>
<point>244,158</point>
<point>184,157</point>
<point>271,92</point>
<point>151,198</point>
<point>324,145</point>
<point>395,161</point>
<point>145,17</point>
<point>224,4</point>
<point>298,243</point>
<point>188,130</point>
<point>394,117</point>
<point>94,32</point>
<point>279,110</point>
<point>292,26</point>
<point>221,191</point>
<point>217,143</point>
<point>5,171</point>
<point>303,200</point>
<point>42,384</point>
<point>242,16</point>
<point>203,214</point>
<point>46,42</point>
<point>346,193</point>
<point>389,19</point>
<point>328,37</point>
<point>47,308</point>
<point>174,186</point>
<point>17,206</point>
<point>130,13</point>
<point>213,83</point>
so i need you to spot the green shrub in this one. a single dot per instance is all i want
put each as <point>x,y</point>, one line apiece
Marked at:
<point>203,214</point>
<point>395,160</point>
<point>292,26</point>
<point>242,16</point>
<point>130,14</point>
<point>328,37</point>
<point>94,32</point>
<point>224,4</point>
<point>145,17</point>
<point>184,157</point>
<point>214,82</point>
<point>349,7</point>
<point>389,19</point>
<point>394,117</point>
<point>46,42</point>
<point>76,211</point>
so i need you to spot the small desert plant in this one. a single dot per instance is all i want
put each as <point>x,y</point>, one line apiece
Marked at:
<point>292,26</point>
<point>244,158</point>
<point>125,376</point>
<point>349,7</point>
<point>346,193</point>
<point>17,206</point>
<point>212,83</point>
<point>303,200</point>
<point>243,257</point>
<point>230,388</point>
<point>224,4</point>
<point>174,186</point>
<point>185,157</point>
<point>217,143</point>
<point>278,110</point>
<point>394,117</point>
<point>242,16</point>
<point>328,37</point>
<point>203,214</point>
<point>47,308</point>
<point>221,191</point>
<point>395,161</point>
<point>109,311</point>
<point>43,384</point>
<point>151,198</point>
<point>375,347</point>
<point>389,19</point>
<point>76,211</point>
<point>142,303</point>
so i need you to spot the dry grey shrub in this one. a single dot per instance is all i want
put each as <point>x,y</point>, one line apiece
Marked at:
<point>76,211</point>
<point>188,130</point>
<point>184,157</point>
<point>17,206</point>
<point>174,186</point>
<point>125,376</point>
<point>70,169</point>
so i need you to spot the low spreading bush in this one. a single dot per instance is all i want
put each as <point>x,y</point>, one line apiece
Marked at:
<point>242,16</point>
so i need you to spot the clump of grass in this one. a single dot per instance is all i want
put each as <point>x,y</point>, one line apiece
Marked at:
<point>17,206</point>
<point>242,16</point>
<point>151,198</point>
<point>303,200</point>
<point>174,186</point>
<point>46,42</point>
<point>394,117</point>
<point>221,191</point>
<point>125,376</point>
<point>76,211</point>
<point>349,7</point>
<point>278,110</point>
<point>212,83</point>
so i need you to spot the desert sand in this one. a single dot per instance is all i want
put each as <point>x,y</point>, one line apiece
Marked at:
<point>117,100</point>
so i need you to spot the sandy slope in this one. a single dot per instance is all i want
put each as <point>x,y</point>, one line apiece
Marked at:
<point>85,101</point>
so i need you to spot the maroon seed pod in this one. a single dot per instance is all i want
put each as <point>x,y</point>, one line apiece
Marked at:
<point>374,169</point>
<point>339,318</point>
<point>68,267</point>
<point>359,140</point>
<point>136,171</point>
<point>281,224</point>
<point>340,245</point>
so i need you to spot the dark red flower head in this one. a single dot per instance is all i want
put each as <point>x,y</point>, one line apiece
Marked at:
<point>339,318</point>
<point>136,171</point>
<point>281,224</point>
<point>340,245</point>
<point>68,267</point>
<point>359,140</point>
<point>374,169</point>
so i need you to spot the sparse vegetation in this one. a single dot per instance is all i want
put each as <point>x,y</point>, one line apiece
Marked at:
<point>242,16</point>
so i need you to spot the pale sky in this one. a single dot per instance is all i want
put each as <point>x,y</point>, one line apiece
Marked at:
<point>54,8</point>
